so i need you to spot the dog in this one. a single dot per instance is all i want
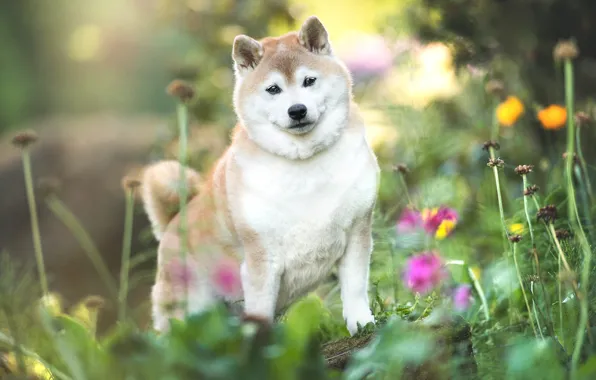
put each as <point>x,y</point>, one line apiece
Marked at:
<point>291,197</point>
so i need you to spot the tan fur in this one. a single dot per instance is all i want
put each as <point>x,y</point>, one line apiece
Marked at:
<point>285,54</point>
<point>160,192</point>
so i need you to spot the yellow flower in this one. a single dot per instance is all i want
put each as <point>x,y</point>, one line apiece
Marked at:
<point>509,111</point>
<point>553,117</point>
<point>516,228</point>
<point>445,229</point>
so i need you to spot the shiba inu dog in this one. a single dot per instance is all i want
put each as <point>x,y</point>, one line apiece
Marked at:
<point>292,196</point>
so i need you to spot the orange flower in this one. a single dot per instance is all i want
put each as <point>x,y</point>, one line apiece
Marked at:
<point>509,111</point>
<point>553,117</point>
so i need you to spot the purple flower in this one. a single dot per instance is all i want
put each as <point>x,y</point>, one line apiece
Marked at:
<point>409,221</point>
<point>424,272</point>
<point>462,297</point>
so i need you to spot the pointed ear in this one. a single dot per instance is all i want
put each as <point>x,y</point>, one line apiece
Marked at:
<point>246,53</point>
<point>314,37</point>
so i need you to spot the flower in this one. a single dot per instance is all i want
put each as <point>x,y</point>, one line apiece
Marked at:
<point>462,297</point>
<point>226,278</point>
<point>531,190</point>
<point>553,117</point>
<point>180,273</point>
<point>524,169</point>
<point>516,228</point>
<point>437,221</point>
<point>408,221</point>
<point>566,49</point>
<point>24,139</point>
<point>495,162</point>
<point>181,90</point>
<point>424,272</point>
<point>509,111</point>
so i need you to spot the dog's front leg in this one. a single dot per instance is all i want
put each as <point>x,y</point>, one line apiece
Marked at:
<point>260,282</point>
<point>353,275</point>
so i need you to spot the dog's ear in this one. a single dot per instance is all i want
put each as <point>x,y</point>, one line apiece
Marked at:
<point>314,37</point>
<point>246,53</point>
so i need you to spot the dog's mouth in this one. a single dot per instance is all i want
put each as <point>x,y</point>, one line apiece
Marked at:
<point>302,127</point>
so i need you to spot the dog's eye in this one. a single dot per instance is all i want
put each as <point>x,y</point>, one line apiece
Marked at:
<point>273,89</point>
<point>309,81</point>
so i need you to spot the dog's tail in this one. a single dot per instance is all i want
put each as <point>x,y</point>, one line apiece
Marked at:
<point>160,192</point>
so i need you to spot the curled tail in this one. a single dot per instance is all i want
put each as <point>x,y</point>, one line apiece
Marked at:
<point>160,184</point>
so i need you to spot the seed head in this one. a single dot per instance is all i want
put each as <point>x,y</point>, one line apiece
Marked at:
<point>532,278</point>
<point>94,302</point>
<point>515,238</point>
<point>130,183</point>
<point>492,162</point>
<point>494,87</point>
<point>547,213</point>
<point>524,169</point>
<point>181,90</point>
<point>491,144</point>
<point>531,190</point>
<point>562,234</point>
<point>401,168</point>
<point>575,157</point>
<point>565,50</point>
<point>48,186</point>
<point>582,118</point>
<point>24,139</point>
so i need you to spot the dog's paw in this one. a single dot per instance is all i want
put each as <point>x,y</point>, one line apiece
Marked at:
<point>356,320</point>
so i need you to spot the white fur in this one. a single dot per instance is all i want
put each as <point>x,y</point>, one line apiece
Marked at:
<point>308,214</point>
<point>266,116</point>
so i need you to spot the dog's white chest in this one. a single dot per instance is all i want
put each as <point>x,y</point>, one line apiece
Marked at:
<point>303,211</point>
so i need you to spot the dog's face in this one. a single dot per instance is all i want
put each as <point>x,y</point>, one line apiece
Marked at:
<point>291,94</point>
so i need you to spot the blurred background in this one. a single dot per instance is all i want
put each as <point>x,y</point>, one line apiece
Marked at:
<point>90,78</point>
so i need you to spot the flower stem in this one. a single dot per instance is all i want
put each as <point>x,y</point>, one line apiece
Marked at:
<point>182,116</point>
<point>34,221</point>
<point>504,225</point>
<point>535,310</point>
<point>526,209</point>
<point>574,215</point>
<point>405,186</point>
<point>126,247</point>
<point>584,166</point>
<point>521,285</point>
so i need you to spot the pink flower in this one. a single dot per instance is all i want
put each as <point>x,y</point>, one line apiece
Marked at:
<point>409,221</point>
<point>180,273</point>
<point>462,297</point>
<point>368,56</point>
<point>424,272</point>
<point>226,278</point>
<point>438,221</point>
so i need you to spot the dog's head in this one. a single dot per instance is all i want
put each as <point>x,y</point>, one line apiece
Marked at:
<point>292,94</point>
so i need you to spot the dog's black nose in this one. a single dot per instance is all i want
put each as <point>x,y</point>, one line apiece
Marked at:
<point>297,111</point>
